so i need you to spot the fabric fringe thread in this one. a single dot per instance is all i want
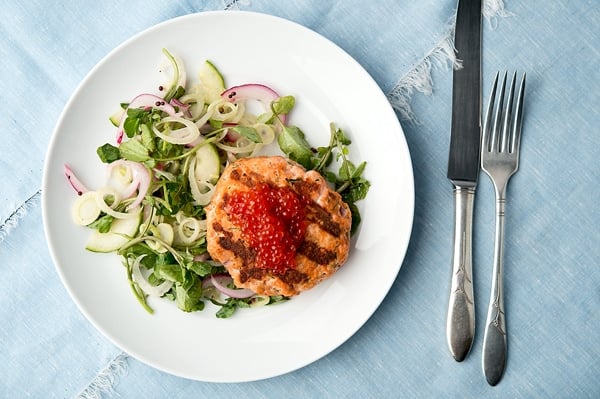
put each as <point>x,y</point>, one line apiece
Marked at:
<point>443,55</point>
<point>234,4</point>
<point>13,220</point>
<point>107,379</point>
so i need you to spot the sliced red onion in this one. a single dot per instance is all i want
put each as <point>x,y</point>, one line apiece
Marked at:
<point>202,257</point>
<point>253,91</point>
<point>220,282</point>
<point>120,134</point>
<point>141,175</point>
<point>74,181</point>
<point>183,107</point>
<point>146,101</point>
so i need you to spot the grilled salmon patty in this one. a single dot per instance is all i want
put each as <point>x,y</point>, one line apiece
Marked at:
<point>315,244</point>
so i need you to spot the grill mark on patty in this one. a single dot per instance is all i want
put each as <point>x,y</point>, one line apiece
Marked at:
<point>247,179</point>
<point>252,274</point>
<point>290,276</point>
<point>316,214</point>
<point>237,247</point>
<point>303,187</point>
<point>316,254</point>
<point>293,276</point>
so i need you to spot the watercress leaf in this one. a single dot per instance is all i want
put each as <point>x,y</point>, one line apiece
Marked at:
<point>201,268</point>
<point>108,153</point>
<point>346,170</point>
<point>147,137</point>
<point>134,150</point>
<point>243,303</point>
<point>355,218</point>
<point>139,249</point>
<point>187,302</point>
<point>170,272</point>
<point>165,149</point>
<point>341,138</point>
<point>283,105</point>
<point>149,261</point>
<point>293,143</point>
<point>188,295</point>
<point>136,113</point>
<point>322,159</point>
<point>359,170</point>
<point>226,311</point>
<point>356,191</point>
<point>102,224</point>
<point>248,132</point>
<point>330,176</point>
<point>266,118</point>
<point>153,280</point>
<point>131,125</point>
<point>325,152</point>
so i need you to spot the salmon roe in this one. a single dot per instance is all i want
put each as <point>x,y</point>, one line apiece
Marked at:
<point>272,222</point>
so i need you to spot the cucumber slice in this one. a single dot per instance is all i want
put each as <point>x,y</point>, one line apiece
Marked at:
<point>120,233</point>
<point>115,118</point>
<point>212,80</point>
<point>208,164</point>
<point>85,209</point>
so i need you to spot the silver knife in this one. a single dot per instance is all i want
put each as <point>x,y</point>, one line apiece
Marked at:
<point>463,172</point>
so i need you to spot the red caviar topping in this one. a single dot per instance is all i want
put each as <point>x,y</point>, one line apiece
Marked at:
<point>271,220</point>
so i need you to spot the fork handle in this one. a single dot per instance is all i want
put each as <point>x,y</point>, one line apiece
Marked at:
<point>460,322</point>
<point>494,339</point>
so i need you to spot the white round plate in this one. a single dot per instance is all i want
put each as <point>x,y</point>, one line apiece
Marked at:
<point>329,86</point>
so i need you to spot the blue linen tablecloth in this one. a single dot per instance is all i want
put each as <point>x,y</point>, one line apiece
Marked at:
<point>552,285</point>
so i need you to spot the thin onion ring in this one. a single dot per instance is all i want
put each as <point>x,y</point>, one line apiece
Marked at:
<point>182,136</point>
<point>144,284</point>
<point>219,281</point>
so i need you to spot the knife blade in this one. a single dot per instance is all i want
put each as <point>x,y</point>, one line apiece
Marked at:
<point>463,172</point>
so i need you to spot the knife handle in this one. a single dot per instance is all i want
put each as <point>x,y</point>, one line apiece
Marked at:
<point>460,322</point>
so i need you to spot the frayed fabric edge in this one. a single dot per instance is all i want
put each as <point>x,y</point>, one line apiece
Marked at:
<point>13,220</point>
<point>106,381</point>
<point>234,4</point>
<point>494,9</point>
<point>418,79</point>
<point>443,55</point>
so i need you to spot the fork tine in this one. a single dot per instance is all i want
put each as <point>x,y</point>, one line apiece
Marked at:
<point>496,130</point>
<point>518,119</point>
<point>505,138</point>
<point>487,123</point>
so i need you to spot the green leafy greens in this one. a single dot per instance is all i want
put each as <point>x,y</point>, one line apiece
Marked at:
<point>348,181</point>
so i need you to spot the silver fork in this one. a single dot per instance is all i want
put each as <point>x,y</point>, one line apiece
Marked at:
<point>499,160</point>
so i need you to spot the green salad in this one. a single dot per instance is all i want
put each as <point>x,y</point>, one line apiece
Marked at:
<point>161,170</point>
